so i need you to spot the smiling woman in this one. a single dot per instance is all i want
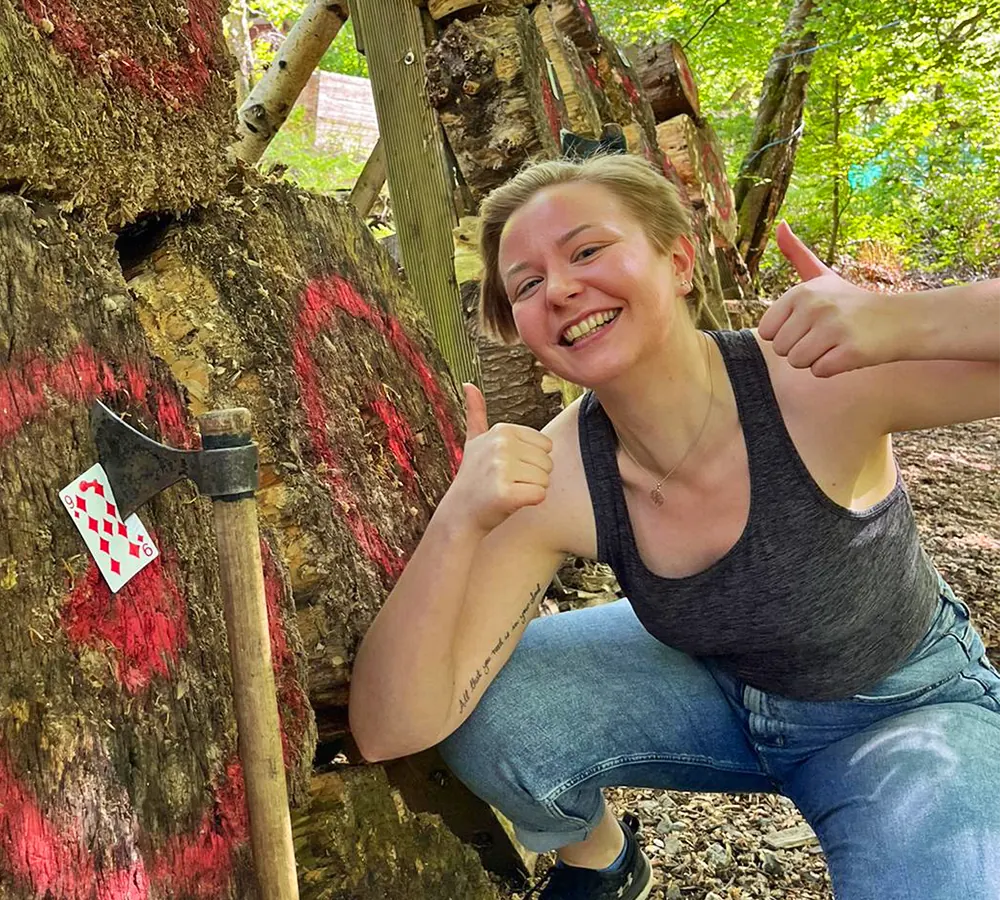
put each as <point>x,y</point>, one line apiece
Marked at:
<point>783,630</point>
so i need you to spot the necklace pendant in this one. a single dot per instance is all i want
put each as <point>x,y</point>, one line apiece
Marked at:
<point>656,496</point>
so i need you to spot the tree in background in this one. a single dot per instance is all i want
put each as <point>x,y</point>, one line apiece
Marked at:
<point>900,139</point>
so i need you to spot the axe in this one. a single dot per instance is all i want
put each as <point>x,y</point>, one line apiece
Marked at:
<point>225,469</point>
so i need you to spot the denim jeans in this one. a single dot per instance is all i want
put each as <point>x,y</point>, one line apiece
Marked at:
<point>901,784</point>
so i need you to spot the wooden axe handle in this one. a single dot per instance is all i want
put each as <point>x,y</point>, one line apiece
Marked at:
<point>242,582</point>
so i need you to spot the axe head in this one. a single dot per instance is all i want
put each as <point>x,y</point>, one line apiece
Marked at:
<point>138,467</point>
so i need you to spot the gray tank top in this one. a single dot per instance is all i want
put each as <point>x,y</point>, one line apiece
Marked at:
<point>814,601</point>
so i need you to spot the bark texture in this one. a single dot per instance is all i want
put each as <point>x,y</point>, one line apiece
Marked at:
<point>282,302</point>
<point>344,835</point>
<point>115,109</point>
<point>119,774</point>
<point>767,167</point>
<point>489,81</point>
<point>667,81</point>
<point>577,91</point>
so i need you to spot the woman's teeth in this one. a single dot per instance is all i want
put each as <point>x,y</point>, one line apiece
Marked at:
<point>591,323</point>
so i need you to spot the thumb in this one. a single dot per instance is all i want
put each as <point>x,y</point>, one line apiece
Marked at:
<point>806,263</point>
<point>475,412</point>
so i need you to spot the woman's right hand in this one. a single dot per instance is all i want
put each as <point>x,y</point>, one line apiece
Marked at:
<point>504,468</point>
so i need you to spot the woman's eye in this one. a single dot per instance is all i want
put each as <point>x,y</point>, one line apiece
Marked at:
<point>527,286</point>
<point>587,252</point>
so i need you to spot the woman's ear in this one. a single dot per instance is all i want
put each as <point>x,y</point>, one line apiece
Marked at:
<point>683,254</point>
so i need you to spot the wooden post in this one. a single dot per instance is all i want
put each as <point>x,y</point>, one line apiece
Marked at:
<point>420,181</point>
<point>366,189</point>
<point>258,729</point>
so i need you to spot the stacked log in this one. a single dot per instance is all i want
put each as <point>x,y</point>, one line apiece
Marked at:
<point>505,84</point>
<point>118,755</point>
<point>117,109</point>
<point>668,82</point>
<point>489,80</point>
<point>119,771</point>
<point>691,145</point>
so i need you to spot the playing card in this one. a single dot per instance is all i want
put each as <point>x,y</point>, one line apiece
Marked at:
<point>120,548</point>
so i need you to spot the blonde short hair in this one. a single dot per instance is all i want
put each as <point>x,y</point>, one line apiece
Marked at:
<point>648,196</point>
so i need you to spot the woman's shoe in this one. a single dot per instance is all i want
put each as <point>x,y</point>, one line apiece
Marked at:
<point>633,881</point>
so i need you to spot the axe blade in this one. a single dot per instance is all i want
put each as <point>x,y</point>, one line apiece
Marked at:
<point>138,467</point>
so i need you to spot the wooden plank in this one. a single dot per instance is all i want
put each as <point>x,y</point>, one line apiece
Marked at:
<point>366,190</point>
<point>420,182</point>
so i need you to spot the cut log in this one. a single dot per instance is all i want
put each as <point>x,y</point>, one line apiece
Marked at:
<point>575,19</point>
<point>574,84</point>
<point>667,81</point>
<point>118,109</point>
<point>282,302</point>
<point>678,139</point>
<point>119,771</point>
<point>357,840</point>
<point>620,97</point>
<point>427,785</point>
<point>712,312</point>
<point>441,9</point>
<point>489,81</point>
<point>721,203</point>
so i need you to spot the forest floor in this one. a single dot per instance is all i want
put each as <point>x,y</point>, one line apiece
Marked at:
<point>723,846</point>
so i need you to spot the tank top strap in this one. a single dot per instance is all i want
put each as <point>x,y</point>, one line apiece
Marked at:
<point>771,455</point>
<point>598,449</point>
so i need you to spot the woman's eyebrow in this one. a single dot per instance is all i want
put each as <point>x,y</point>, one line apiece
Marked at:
<point>568,236</point>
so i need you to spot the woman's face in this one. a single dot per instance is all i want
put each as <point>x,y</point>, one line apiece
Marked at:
<point>589,292</point>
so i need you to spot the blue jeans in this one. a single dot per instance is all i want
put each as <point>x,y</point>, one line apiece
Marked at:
<point>901,784</point>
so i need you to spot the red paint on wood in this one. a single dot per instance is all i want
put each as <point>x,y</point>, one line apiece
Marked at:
<point>594,76</point>
<point>630,90</point>
<point>293,704</point>
<point>53,863</point>
<point>399,434</point>
<point>177,82</point>
<point>28,382</point>
<point>145,622</point>
<point>200,864</point>
<point>319,304</point>
<point>551,110</point>
<point>588,16</point>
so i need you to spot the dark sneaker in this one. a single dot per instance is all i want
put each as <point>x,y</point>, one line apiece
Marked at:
<point>633,881</point>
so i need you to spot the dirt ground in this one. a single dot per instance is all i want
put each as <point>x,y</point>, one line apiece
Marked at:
<point>724,847</point>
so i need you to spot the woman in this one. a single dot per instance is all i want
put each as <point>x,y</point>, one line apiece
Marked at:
<point>783,631</point>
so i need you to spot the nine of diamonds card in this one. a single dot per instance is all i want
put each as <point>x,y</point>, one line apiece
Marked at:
<point>120,548</point>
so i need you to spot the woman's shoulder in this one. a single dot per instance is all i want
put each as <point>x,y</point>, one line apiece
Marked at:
<point>567,508</point>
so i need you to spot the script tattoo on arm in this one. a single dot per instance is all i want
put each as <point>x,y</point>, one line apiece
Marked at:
<point>484,669</point>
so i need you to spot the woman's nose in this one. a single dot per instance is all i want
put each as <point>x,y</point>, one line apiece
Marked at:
<point>560,286</point>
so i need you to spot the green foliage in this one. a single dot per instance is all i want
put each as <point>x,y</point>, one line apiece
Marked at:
<point>902,113</point>
<point>342,55</point>
<point>312,169</point>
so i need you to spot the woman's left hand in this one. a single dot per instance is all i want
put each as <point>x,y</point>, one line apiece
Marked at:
<point>826,324</point>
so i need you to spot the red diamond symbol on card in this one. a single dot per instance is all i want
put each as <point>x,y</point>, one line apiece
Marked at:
<point>105,546</point>
<point>109,526</point>
<point>111,511</point>
<point>81,503</point>
<point>116,567</point>
<point>133,550</point>
<point>92,523</point>
<point>122,530</point>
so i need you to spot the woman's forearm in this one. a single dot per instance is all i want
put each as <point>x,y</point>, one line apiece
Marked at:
<point>402,682</point>
<point>961,322</point>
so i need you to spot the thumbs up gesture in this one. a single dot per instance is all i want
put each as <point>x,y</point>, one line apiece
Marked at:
<point>504,468</point>
<point>826,324</point>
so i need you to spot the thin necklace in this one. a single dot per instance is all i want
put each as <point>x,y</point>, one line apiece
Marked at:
<point>655,495</point>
